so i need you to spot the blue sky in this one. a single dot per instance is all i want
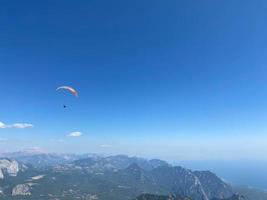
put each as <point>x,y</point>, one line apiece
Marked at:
<point>176,79</point>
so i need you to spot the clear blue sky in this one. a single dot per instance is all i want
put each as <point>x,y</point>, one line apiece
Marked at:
<point>175,79</point>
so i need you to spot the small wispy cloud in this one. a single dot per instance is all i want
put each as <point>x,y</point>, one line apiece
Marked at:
<point>22,125</point>
<point>3,139</point>
<point>16,125</point>
<point>105,146</point>
<point>75,134</point>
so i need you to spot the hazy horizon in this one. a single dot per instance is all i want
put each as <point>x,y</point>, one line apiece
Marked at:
<point>181,149</point>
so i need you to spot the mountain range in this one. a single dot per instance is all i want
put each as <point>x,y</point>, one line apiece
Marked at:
<point>95,177</point>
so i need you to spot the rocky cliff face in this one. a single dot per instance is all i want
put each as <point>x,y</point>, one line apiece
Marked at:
<point>10,167</point>
<point>1,192</point>
<point>213,186</point>
<point>182,181</point>
<point>1,174</point>
<point>21,189</point>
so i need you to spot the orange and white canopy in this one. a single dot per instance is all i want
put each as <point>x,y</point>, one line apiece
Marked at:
<point>70,89</point>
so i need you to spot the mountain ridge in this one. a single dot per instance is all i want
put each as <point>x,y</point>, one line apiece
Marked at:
<point>112,178</point>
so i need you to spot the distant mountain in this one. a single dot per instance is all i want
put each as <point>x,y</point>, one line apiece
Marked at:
<point>22,153</point>
<point>36,158</point>
<point>114,163</point>
<point>44,160</point>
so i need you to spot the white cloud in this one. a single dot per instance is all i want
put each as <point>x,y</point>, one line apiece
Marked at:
<point>75,134</point>
<point>105,145</point>
<point>22,125</point>
<point>16,125</point>
<point>3,139</point>
<point>2,125</point>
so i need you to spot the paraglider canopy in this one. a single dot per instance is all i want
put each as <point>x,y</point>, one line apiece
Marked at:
<point>68,88</point>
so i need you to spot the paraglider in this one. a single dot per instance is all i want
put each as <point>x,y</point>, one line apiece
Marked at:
<point>70,89</point>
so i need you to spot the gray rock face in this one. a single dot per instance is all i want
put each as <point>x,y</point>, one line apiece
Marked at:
<point>1,174</point>
<point>11,167</point>
<point>199,185</point>
<point>182,181</point>
<point>21,189</point>
<point>213,186</point>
